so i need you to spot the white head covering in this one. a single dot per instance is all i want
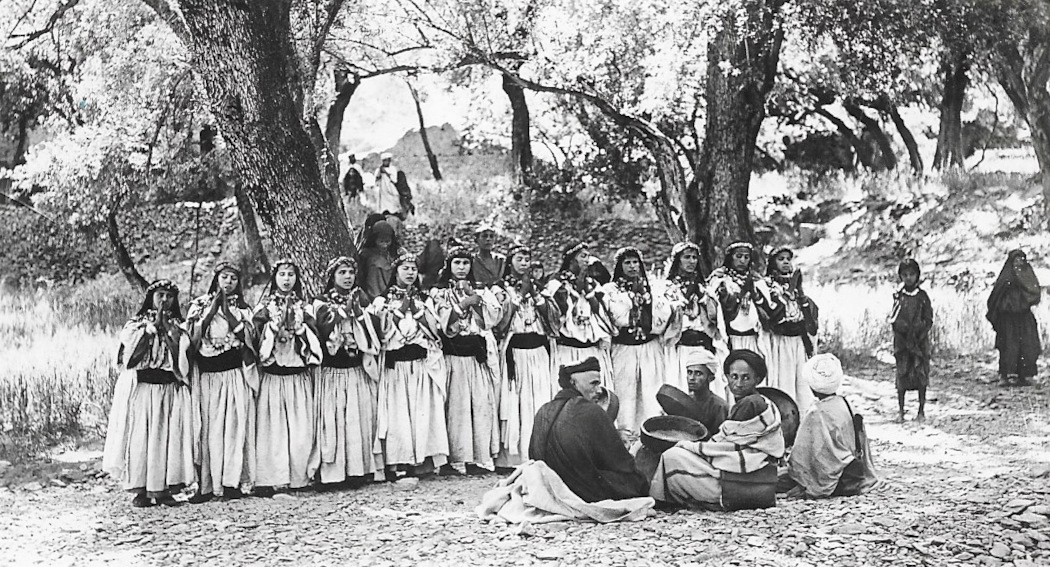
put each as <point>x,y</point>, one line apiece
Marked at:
<point>701,357</point>
<point>386,155</point>
<point>824,373</point>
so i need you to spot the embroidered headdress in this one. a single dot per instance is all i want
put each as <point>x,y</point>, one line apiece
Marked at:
<point>161,285</point>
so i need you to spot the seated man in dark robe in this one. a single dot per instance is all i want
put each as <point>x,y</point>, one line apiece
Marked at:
<point>576,438</point>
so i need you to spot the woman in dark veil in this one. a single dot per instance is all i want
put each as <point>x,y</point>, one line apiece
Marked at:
<point>1010,312</point>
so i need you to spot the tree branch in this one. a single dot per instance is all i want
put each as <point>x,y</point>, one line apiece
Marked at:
<point>171,17</point>
<point>52,21</point>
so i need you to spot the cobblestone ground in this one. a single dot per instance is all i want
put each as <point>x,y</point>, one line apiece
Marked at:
<point>969,486</point>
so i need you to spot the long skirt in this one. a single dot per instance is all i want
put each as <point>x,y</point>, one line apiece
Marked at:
<point>562,355</point>
<point>532,386</point>
<point>346,401</point>
<point>638,373</point>
<point>676,356</point>
<point>411,415</point>
<point>785,360</point>
<point>158,443</point>
<point>1018,344</point>
<point>685,478</point>
<point>285,423</point>
<point>473,427</point>
<point>227,434</point>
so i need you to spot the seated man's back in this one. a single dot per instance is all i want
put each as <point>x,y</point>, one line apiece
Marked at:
<point>578,440</point>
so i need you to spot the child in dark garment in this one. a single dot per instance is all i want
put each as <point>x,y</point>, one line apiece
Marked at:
<point>912,320</point>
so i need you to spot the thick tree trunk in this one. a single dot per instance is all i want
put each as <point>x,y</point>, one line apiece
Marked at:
<point>431,158</point>
<point>120,252</point>
<point>887,157</point>
<point>243,54</point>
<point>950,151</point>
<point>520,136</point>
<point>716,209</point>
<point>250,228</point>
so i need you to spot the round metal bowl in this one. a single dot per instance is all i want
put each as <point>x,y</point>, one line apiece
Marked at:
<point>660,433</point>
<point>677,402</point>
<point>789,416</point>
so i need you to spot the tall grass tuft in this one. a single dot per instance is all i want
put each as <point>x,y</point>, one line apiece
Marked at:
<point>56,364</point>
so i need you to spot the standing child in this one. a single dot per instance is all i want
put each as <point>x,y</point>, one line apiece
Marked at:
<point>346,388</point>
<point>225,383</point>
<point>149,443</point>
<point>467,312</point>
<point>1010,312</point>
<point>912,320</point>
<point>411,433</point>
<point>288,348</point>
<point>488,265</point>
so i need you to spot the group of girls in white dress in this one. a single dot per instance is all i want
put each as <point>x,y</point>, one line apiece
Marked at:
<point>337,390</point>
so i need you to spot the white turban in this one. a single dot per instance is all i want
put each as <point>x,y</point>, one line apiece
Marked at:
<point>700,357</point>
<point>386,155</point>
<point>824,373</point>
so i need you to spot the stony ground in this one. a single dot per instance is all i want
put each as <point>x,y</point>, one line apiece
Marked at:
<point>969,486</point>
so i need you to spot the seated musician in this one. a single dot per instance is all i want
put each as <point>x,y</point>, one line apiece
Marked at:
<point>576,438</point>
<point>824,460</point>
<point>736,468</point>
<point>699,375</point>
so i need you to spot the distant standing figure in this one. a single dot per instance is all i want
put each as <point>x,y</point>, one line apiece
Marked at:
<point>912,320</point>
<point>391,194</point>
<point>1010,312</point>
<point>353,182</point>
<point>380,248</point>
<point>488,265</point>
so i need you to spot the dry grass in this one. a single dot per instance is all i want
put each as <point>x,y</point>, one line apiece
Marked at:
<point>855,320</point>
<point>56,364</point>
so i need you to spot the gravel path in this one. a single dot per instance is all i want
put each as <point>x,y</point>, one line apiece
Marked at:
<point>970,486</point>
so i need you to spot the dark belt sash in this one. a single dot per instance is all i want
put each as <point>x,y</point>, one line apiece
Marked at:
<point>528,341</point>
<point>694,338</point>
<point>229,360</point>
<point>631,339</point>
<point>342,359</point>
<point>406,353</point>
<point>155,376</point>
<point>283,370</point>
<point>566,341</point>
<point>735,333</point>
<point>465,345</point>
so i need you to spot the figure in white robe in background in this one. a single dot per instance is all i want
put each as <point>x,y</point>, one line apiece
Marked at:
<point>149,442</point>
